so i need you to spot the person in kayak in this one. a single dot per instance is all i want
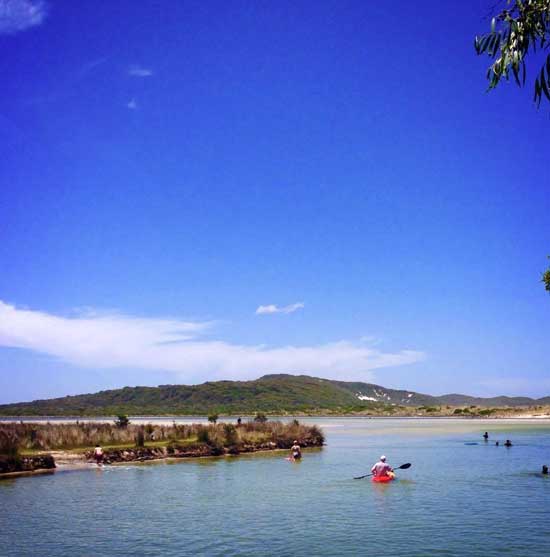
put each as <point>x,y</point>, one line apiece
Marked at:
<point>382,468</point>
<point>296,451</point>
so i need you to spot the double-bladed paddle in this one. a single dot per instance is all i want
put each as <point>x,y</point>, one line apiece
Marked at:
<point>402,467</point>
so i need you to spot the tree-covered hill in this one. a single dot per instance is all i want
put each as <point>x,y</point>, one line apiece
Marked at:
<point>270,393</point>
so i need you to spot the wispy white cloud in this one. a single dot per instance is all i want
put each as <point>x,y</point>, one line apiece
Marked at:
<point>18,15</point>
<point>89,67</point>
<point>272,308</point>
<point>99,340</point>
<point>139,71</point>
<point>132,105</point>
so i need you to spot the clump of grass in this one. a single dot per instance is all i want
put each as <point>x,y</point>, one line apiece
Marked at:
<point>140,437</point>
<point>231,435</point>
<point>9,444</point>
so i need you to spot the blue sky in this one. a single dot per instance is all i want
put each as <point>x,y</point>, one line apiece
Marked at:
<point>170,168</point>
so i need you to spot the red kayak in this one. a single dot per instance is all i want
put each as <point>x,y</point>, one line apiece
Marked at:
<point>384,479</point>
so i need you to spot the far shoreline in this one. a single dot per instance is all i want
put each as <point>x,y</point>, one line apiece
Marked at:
<point>229,418</point>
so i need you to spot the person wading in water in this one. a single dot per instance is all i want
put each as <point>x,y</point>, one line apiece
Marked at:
<point>296,451</point>
<point>98,455</point>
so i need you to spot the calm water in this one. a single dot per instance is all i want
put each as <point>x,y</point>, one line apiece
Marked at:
<point>456,499</point>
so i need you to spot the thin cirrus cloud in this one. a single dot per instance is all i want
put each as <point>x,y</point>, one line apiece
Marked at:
<point>111,340</point>
<point>18,15</point>
<point>272,308</point>
<point>139,71</point>
<point>132,104</point>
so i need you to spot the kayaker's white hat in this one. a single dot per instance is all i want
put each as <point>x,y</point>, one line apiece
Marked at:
<point>382,458</point>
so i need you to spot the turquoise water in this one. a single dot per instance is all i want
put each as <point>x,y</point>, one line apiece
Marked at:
<point>456,499</point>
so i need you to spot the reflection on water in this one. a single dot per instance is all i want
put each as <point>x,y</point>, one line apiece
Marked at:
<point>456,499</point>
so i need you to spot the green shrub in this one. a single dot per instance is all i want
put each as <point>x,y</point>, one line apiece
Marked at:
<point>122,421</point>
<point>260,418</point>
<point>231,435</point>
<point>203,435</point>
<point>458,411</point>
<point>213,418</point>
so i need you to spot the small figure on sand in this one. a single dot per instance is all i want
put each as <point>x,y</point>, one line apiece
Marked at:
<point>296,451</point>
<point>486,436</point>
<point>382,468</point>
<point>98,455</point>
<point>508,443</point>
<point>239,421</point>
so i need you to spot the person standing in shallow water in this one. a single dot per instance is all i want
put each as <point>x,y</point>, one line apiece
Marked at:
<point>98,455</point>
<point>296,451</point>
<point>486,436</point>
<point>381,468</point>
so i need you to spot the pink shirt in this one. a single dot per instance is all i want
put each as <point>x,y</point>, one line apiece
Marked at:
<point>381,469</point>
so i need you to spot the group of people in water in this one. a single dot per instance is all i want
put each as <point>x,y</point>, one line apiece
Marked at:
<point>507,443</point>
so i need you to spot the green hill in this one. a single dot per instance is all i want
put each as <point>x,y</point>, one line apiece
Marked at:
<point>271,394</point>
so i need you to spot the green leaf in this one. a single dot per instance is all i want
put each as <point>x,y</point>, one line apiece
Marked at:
<point>538,92</point>
<point>482,45</point>
<point>497,44</point>
<point>543,84</point>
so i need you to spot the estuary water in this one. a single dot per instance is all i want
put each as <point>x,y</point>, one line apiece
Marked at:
<point>457,499</point>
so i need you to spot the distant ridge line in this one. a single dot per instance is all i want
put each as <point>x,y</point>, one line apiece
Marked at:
<point>270,393</point>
